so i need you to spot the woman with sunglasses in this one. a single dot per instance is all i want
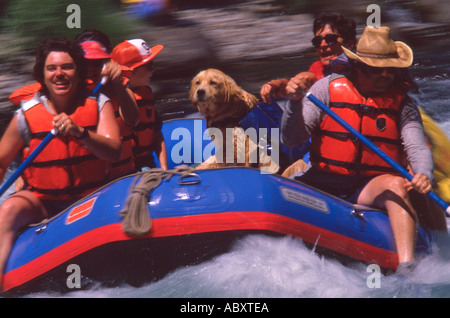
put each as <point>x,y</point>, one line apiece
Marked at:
<point>331,31</point>
<point>374,100</point>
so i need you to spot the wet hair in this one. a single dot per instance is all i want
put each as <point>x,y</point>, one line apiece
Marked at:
<point>94,35</point>
<point>344,26</point>
<point>59,45</point>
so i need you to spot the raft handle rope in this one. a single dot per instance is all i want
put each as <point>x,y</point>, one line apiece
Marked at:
<point>136,216</point>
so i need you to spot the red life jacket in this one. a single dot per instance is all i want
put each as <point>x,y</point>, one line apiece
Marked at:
<point>144,132</point>
<point>65,169</point>
<point>125,165</point>
<point>317,69</point>
<point>335,150</point>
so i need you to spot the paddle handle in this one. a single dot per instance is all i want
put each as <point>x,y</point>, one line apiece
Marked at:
<point>405,173</point>
<point>29,159</point>
<point>99,85</point>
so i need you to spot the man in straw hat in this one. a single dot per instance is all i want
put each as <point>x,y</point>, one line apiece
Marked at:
<point>373,99</point>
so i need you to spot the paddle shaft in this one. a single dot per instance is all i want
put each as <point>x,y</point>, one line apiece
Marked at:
<point>99,85</point>
<point>29,159</point>
<point>405,173</point>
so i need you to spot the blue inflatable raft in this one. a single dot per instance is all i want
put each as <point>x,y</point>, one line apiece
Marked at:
<point>193,217</point>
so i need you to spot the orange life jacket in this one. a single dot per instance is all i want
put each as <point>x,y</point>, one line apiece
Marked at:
<point>125,165</point>
<point>65,169</point>
<point>24,93</point>
<point>335,150</point>
<point>145,130</point>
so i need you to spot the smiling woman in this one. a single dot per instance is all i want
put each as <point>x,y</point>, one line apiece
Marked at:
<point>74,163</point>
<point>331,32</point>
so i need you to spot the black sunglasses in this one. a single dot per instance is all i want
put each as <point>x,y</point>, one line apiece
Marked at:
<point>330,39</point>
<point>377,70</point>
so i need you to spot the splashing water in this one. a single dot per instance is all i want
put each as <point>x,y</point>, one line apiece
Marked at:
<point>260,266</point>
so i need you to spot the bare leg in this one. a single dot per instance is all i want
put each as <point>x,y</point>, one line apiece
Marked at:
<point>388,192</point>
<point>430,214</point>
<point>19,210</point>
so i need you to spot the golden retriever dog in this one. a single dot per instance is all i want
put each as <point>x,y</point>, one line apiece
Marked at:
<point>224,104</point>
<point>220,99</point>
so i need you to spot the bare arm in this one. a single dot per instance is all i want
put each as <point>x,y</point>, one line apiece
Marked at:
<point>10,145</point>
<point>160,149</point>
<point>275,87</point>
<point>299,84</point>
<point>279,88</point>
<point>128,108</point>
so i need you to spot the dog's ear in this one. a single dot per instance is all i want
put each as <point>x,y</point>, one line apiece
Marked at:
<point>227,92</point>
<point>242,102</point>
<point>192,91</point>
<point>240,96</point>
<point>229,88</point>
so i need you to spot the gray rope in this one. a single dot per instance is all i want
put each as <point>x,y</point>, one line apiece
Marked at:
<point>136,216</point>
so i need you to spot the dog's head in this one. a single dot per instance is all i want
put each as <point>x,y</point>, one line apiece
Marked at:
<point>218,97</point>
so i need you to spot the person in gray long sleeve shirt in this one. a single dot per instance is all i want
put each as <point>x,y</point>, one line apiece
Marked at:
<point>374,98</point>
<point>310,116</point>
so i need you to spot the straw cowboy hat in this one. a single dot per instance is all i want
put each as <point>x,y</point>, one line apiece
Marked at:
<point>376,48</point>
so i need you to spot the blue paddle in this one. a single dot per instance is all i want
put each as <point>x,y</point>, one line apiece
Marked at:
<point>405,173</point>
<point>29,159</point>
<point>99,85</point>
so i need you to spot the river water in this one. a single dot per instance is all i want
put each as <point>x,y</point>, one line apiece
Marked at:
<point>259,266</point>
